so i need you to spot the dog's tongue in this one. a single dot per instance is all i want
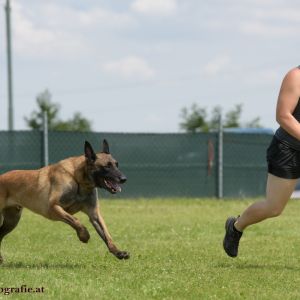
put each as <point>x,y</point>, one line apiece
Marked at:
<point>113,185</point>
<point>117,187</point>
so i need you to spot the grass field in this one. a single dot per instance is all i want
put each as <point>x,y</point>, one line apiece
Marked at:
<point>176,253</point>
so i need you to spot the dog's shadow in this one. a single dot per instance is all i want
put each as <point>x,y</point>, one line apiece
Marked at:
<point>40,265</point>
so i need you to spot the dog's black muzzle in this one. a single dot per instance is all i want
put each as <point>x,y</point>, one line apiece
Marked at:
<point>109,180</point>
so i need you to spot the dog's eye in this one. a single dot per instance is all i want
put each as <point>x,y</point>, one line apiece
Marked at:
<point>109,165</point>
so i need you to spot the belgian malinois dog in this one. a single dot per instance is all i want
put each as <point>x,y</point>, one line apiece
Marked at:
<point>60,190</point>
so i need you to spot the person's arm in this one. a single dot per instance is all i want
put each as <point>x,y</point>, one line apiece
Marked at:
<point>287,101</point>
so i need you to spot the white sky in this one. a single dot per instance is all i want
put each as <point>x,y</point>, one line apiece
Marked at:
<point>131,65</point>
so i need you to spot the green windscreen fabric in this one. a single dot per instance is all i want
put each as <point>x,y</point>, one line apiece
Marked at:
<point>156,165</point>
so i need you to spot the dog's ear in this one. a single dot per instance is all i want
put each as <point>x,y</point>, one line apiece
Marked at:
<point>89,152</point>
<point>105,147</point>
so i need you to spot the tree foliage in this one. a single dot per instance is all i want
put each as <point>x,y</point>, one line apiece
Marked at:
<point>196,118</point>
<point>44,103</point>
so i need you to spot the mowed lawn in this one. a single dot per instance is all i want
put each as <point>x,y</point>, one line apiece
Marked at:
<point>176,253</point>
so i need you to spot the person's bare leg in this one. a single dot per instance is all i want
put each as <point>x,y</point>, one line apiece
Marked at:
<point>278,192</point>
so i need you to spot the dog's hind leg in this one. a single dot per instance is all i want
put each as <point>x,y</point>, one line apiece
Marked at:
<point>9,217</point>
<point>1,219</point>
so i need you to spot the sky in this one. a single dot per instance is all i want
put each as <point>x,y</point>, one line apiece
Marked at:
<point>132,65</point>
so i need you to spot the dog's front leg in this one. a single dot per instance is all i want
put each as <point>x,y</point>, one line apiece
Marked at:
<point>99,224</point>
<point>57,213</point>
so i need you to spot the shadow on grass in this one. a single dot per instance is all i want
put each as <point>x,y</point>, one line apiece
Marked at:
<point>241,266</point>
<point>40,265</point>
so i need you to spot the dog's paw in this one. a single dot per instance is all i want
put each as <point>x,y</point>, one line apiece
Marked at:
<point>122,255</point>
<point>83,235</point>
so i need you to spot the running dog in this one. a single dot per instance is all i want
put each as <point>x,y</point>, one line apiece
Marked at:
<point>60,190</point>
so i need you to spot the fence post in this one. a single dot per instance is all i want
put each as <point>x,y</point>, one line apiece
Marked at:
<point>45,139</point>
<point>220,159</point>
<point>9,67</point>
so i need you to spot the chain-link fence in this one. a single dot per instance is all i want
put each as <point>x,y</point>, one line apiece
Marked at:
<point>156,165</point>
<point>244,164</point>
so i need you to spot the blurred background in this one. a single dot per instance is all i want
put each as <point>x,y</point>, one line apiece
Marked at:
<point>132,65</point>
<point>168,73</point>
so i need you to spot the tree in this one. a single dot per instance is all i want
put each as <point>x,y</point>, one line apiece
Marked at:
<point>215,118</point>
<point>196,119</point>
<point>232,117</point>
<point>255,123</point>
<point>77,123</point>
<point>44,103</point>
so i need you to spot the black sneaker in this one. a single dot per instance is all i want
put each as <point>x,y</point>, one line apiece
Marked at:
<point>232,238</point>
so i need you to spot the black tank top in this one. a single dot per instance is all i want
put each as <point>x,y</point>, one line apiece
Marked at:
<point>284,136</point>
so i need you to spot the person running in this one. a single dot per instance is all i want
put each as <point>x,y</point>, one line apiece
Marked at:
<point>283,158</point>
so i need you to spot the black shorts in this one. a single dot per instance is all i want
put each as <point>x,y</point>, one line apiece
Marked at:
<point>283,161</point>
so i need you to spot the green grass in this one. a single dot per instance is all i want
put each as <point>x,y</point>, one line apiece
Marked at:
<point>176,253</point>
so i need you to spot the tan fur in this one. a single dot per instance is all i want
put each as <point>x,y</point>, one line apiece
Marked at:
<point>57,192</point>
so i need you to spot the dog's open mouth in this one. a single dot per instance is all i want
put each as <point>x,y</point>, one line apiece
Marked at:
<point>112,186</point>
